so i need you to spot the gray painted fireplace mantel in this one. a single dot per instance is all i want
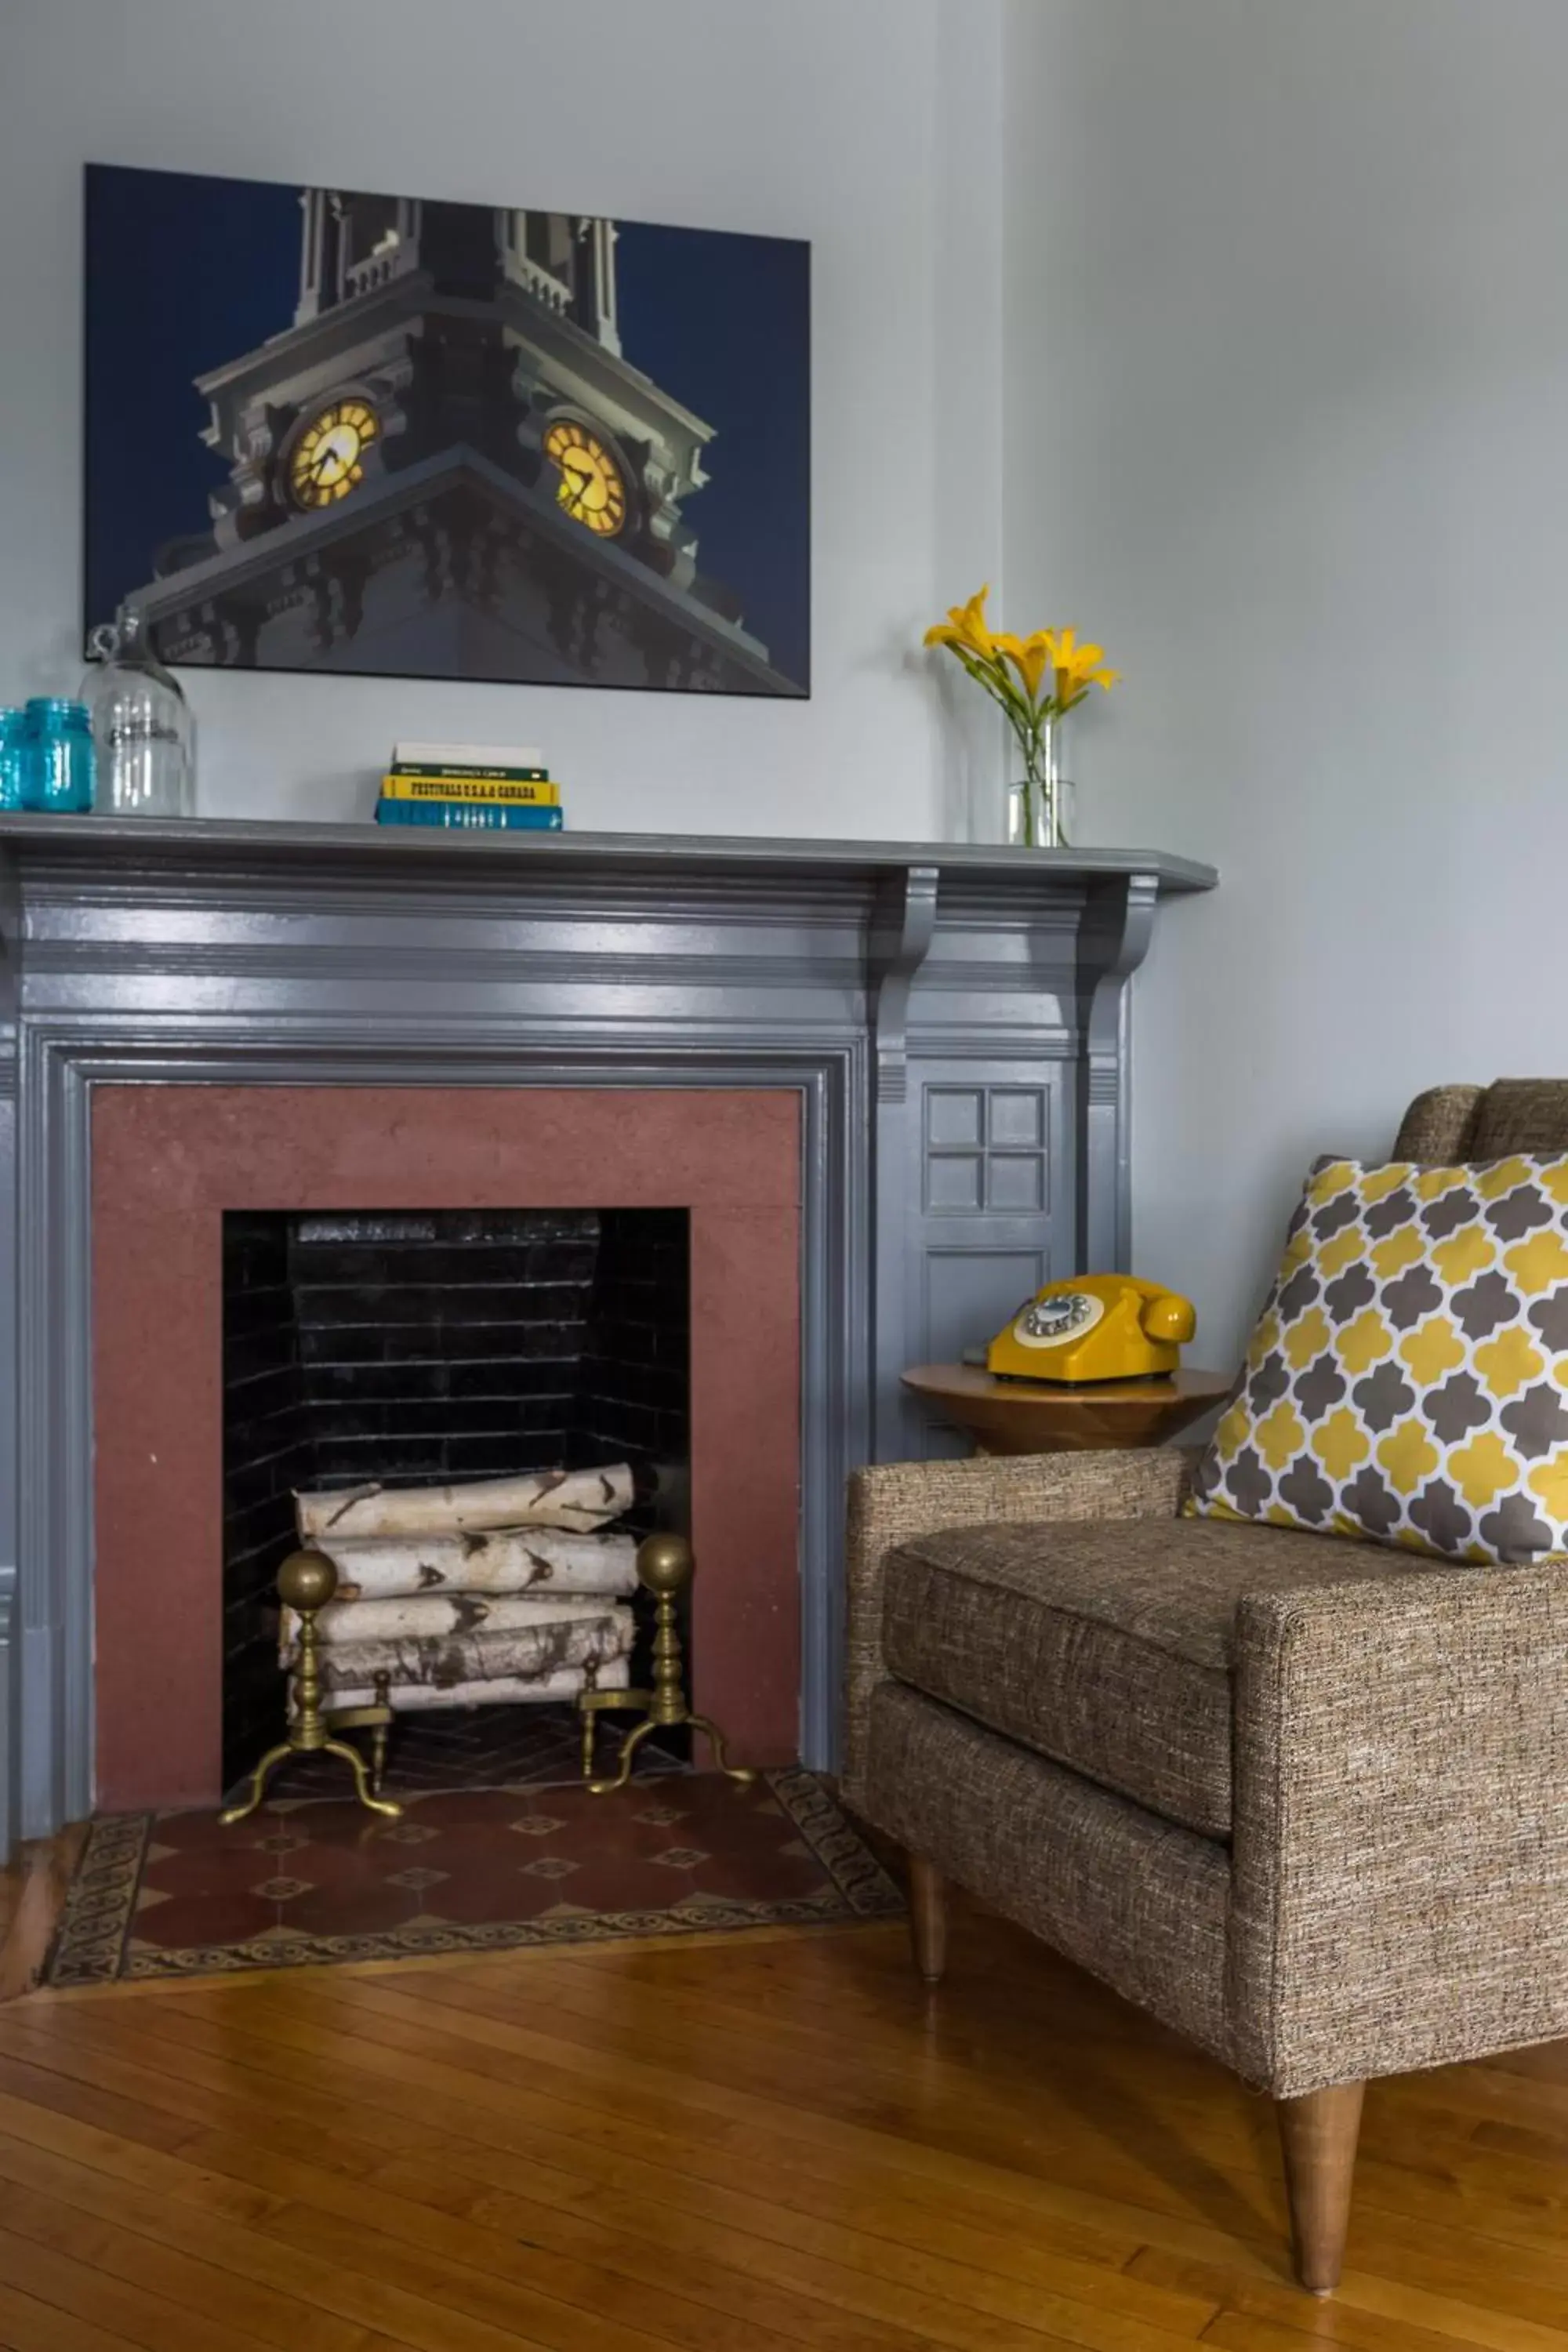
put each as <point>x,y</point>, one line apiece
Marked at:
<point>953,1018</point>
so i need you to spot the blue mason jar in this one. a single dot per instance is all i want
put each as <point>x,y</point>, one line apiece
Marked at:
<point>57,758</point>
<point>13,737</point>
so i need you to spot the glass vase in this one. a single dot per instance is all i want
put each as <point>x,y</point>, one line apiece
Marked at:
<point>1041,806</point>
<point>142,725</point>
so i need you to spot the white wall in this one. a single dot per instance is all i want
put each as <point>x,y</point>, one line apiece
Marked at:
<point>861,124</point>
<point>1287,421</point>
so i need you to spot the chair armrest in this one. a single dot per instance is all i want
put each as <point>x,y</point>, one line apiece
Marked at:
<point>896,1501</point>
<point>1400,1857</point>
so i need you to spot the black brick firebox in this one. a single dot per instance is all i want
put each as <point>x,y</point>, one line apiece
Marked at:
<point>418,1346</point>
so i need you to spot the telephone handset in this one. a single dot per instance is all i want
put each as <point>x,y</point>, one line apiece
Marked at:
<point>1094,1326</point>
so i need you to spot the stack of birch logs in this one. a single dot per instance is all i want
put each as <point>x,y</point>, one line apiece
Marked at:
<point>497,1590</point>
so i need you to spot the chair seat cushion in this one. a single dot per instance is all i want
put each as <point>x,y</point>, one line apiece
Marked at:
<point>1104,1644</point>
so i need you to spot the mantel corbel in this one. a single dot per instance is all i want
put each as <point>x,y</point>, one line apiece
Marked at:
<point>902,927</point>
<point>1113,939</point>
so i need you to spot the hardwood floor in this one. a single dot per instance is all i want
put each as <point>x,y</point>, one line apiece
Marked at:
<point>32,1889</point>
<point>732,2145</point>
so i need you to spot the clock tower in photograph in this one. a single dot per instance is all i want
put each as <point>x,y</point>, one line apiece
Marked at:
<point>446,467</point>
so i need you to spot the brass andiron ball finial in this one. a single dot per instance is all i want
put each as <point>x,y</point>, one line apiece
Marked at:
<point>665,1563</point>
<point>305,1583</point>
<point>664,1569</point>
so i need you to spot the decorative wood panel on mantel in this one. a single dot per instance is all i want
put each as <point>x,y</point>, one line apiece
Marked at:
<point>952,1018</point>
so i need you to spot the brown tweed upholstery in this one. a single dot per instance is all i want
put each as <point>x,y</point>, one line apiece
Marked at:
<point>1520,1114</point>
<point>1106,1648</point>
<point>1437,1127</point>
<point>896,1500</point>
<point>1448,1124</point>
<point>1126,1895</point>
<point>1394,1893</point>
<point>1400,1885</point>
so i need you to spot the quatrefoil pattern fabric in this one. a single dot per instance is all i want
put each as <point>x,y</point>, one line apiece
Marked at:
<point>1408,1381</point>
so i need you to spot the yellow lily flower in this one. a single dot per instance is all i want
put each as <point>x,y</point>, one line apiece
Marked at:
<point>1030,657</point>
<point>1077,668</point>
<point>965,626</point>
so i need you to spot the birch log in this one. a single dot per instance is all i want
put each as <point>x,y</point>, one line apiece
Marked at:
<point>580,1500</point>
<point>477,1657</point>
<point>429,1616</point>
<point>511,1690</point>
<point>391,1568</point>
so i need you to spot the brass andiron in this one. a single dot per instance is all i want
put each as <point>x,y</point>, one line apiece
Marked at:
<point>665,1568</point>
<point>376,1718</point>
<point>305,1583</point>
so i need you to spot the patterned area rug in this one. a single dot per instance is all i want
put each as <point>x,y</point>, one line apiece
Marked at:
<point>306,1880</point>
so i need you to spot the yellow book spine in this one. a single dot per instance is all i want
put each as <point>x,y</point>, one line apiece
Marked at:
<point>396,787</point>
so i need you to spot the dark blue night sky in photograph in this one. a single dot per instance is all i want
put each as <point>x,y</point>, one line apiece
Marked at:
<point>184,274</point>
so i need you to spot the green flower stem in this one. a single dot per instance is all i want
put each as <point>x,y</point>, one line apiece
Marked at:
<point>1028,719</point>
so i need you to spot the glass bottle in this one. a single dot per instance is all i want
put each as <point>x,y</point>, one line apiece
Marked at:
<point>141,722</point>
<point>58,757</point>
<point>13,736</point>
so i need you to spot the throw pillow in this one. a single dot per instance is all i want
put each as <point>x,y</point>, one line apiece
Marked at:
<point>1408,1381</point>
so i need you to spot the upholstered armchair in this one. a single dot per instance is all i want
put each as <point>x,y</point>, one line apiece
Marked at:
<point>1302,1799</point>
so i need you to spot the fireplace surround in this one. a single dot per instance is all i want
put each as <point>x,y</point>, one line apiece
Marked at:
<point>172,1164</point>
<point>948,1026</point>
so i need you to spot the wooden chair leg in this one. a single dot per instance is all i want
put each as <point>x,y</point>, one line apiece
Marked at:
<point>1318,2134</point>
<point>928,1919</point>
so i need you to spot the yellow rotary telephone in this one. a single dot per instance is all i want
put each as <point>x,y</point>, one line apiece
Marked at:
<point>1095,1327</point>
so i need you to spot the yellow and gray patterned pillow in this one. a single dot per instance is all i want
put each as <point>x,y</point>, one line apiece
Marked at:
<point>1408,1381</point>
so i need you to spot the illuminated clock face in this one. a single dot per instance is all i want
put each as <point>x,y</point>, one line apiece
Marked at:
<point>328,459</point>
<point>591,489</point>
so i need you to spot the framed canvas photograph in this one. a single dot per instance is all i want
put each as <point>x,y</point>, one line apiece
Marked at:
<point>385,436</point>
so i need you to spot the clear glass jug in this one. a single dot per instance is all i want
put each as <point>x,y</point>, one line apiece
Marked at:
<point>142,725</point>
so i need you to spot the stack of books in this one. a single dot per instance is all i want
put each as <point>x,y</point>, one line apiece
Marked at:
<point>481,787</point>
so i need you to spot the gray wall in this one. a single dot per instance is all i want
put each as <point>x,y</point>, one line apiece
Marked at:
<point>868,126</point>
<point>1287,384</point>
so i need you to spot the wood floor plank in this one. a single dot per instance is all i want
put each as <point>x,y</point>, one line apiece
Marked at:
<point>62,2278</point>
<point>32,1889</point>
<point>863,2228</point>
<point>1331,2320</point>
<point>27,2324</point>
<point>386,2042</point>
<point>412,2244</point>
<point>342,2283</point>
<point>279,2304</point>
<point>220,2300</point>
<point>568,2216</point>
<point>730,2146</point>
<point>933,2137</point>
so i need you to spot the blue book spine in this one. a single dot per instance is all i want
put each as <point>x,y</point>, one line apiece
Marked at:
<point>470,816</point>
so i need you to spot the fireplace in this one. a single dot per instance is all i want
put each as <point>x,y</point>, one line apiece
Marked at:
<point>256,1329</point>
<point>433,1346</point>
<point>887,1084</point>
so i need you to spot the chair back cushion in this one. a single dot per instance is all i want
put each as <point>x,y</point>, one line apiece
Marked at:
<point>1519,1115</point>
<point>1447,1124</point>
<point>1408,1380</point>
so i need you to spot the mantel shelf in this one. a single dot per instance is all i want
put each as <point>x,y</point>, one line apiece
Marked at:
<point>219,841</point>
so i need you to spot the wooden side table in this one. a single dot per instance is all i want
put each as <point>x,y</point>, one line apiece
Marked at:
<point>1049,1417</point>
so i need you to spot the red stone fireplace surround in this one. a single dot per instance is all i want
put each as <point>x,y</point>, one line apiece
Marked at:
<point>169,1160</point>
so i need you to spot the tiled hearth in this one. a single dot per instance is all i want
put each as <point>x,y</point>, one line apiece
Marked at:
<point>301,1882</point>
